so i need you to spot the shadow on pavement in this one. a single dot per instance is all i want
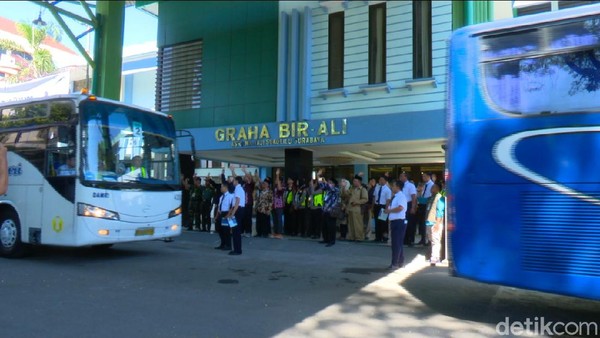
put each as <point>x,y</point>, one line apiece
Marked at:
<point>491,304</point>
<point>424,301</point>
<point>58,254</point>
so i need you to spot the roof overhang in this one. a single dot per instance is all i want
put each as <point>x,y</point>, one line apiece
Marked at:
<point>150,7</point>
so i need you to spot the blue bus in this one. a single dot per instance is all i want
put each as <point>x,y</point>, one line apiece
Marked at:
<point>523,129</point>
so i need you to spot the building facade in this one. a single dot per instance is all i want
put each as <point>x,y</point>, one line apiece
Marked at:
<point>358,85</point>
<point>138,76</point>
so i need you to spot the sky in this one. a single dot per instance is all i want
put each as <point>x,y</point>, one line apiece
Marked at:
<point>140,27</point>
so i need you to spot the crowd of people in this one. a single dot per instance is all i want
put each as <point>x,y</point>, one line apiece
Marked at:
<point>387,209</point>
<point>315,208</point>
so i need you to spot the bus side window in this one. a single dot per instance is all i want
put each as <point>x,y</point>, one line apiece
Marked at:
<point>9,139</point>
<point>61,111</point>
<point>31,145</point>
<point>60,144</point>
<point>61,137</point>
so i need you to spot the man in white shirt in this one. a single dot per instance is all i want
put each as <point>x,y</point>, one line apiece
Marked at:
<point>422,208</point>
<point>397,215</point>
<point>225,203</point>
<point>410,192</point>
<point>239,207</point>
<point>428,184</point>
<point>381,198</point>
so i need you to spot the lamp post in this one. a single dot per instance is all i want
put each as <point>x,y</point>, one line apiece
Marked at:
<point>36,22</point>
<point>39,21</point>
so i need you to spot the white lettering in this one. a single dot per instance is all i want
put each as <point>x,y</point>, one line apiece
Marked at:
<point>540,327</point>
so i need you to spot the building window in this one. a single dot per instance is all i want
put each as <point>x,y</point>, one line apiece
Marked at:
<point>336,50</point>
<point>523,8</point>
<point>377,38</point>
<point>421,39</point>
<point>179,77</point>
<point>534,7</point>
<point>571,3</point>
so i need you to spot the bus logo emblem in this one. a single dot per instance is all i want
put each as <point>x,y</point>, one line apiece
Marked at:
<point>15,170</point>
<point>57,224</point>
<point>504,154</point>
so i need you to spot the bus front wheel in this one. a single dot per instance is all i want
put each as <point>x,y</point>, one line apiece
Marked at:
<point>10,235</point>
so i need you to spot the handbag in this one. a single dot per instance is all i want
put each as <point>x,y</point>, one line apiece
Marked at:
<point>232,222</point>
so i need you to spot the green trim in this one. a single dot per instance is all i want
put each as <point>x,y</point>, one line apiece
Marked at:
<point>108,52</point>
<point>465,13</point>
<point>469,13</point>
<point>139,4</point>
<point>458,14</point>
<point>482,11</point>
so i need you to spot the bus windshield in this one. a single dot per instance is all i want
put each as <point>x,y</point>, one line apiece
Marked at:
<point>124,147</point>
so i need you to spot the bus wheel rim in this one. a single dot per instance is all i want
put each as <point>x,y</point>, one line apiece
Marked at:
<point>8,233</point>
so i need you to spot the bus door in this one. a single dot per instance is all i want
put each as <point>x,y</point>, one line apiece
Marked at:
<point>26,163</point>
<point>58,207</point>
<point>188,163</point>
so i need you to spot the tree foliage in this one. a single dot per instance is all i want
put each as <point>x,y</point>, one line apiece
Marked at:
<point>42,63</point>
<point>10,45</point>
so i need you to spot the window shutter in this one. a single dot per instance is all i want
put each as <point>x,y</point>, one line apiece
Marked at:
<point>179,77</point>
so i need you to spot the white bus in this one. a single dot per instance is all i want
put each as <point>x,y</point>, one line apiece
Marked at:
<point>73,179</point>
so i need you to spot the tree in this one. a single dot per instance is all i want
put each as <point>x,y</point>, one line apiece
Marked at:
<point>10,45</point>
<point>41,63</point>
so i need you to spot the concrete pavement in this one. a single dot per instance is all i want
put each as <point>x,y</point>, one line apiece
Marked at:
<point>277,288</point>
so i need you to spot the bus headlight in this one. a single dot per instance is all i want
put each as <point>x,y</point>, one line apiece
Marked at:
<point>92,211</point>
<point>175,212</point>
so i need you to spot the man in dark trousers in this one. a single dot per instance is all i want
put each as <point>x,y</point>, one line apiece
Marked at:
<point>208,192</point>
<point>410,193</point>
<point>221,224</point>
<point>316,197</point>
<point>185,202</point>
<point>382,196</point>
<point>239,207</point>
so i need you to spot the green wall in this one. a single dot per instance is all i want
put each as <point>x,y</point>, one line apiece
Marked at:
<point>465,13</point>
<point>239,83</point>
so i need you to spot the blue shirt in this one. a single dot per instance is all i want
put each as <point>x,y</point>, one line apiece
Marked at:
<point>439,210</point>
<point>332,198</point>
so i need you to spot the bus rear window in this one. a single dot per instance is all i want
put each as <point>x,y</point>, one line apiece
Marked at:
<point>561,83</point>
<point>547,70</point>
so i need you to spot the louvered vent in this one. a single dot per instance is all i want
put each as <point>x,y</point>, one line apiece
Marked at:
<point>560,234</point>
<point>179,77</point>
